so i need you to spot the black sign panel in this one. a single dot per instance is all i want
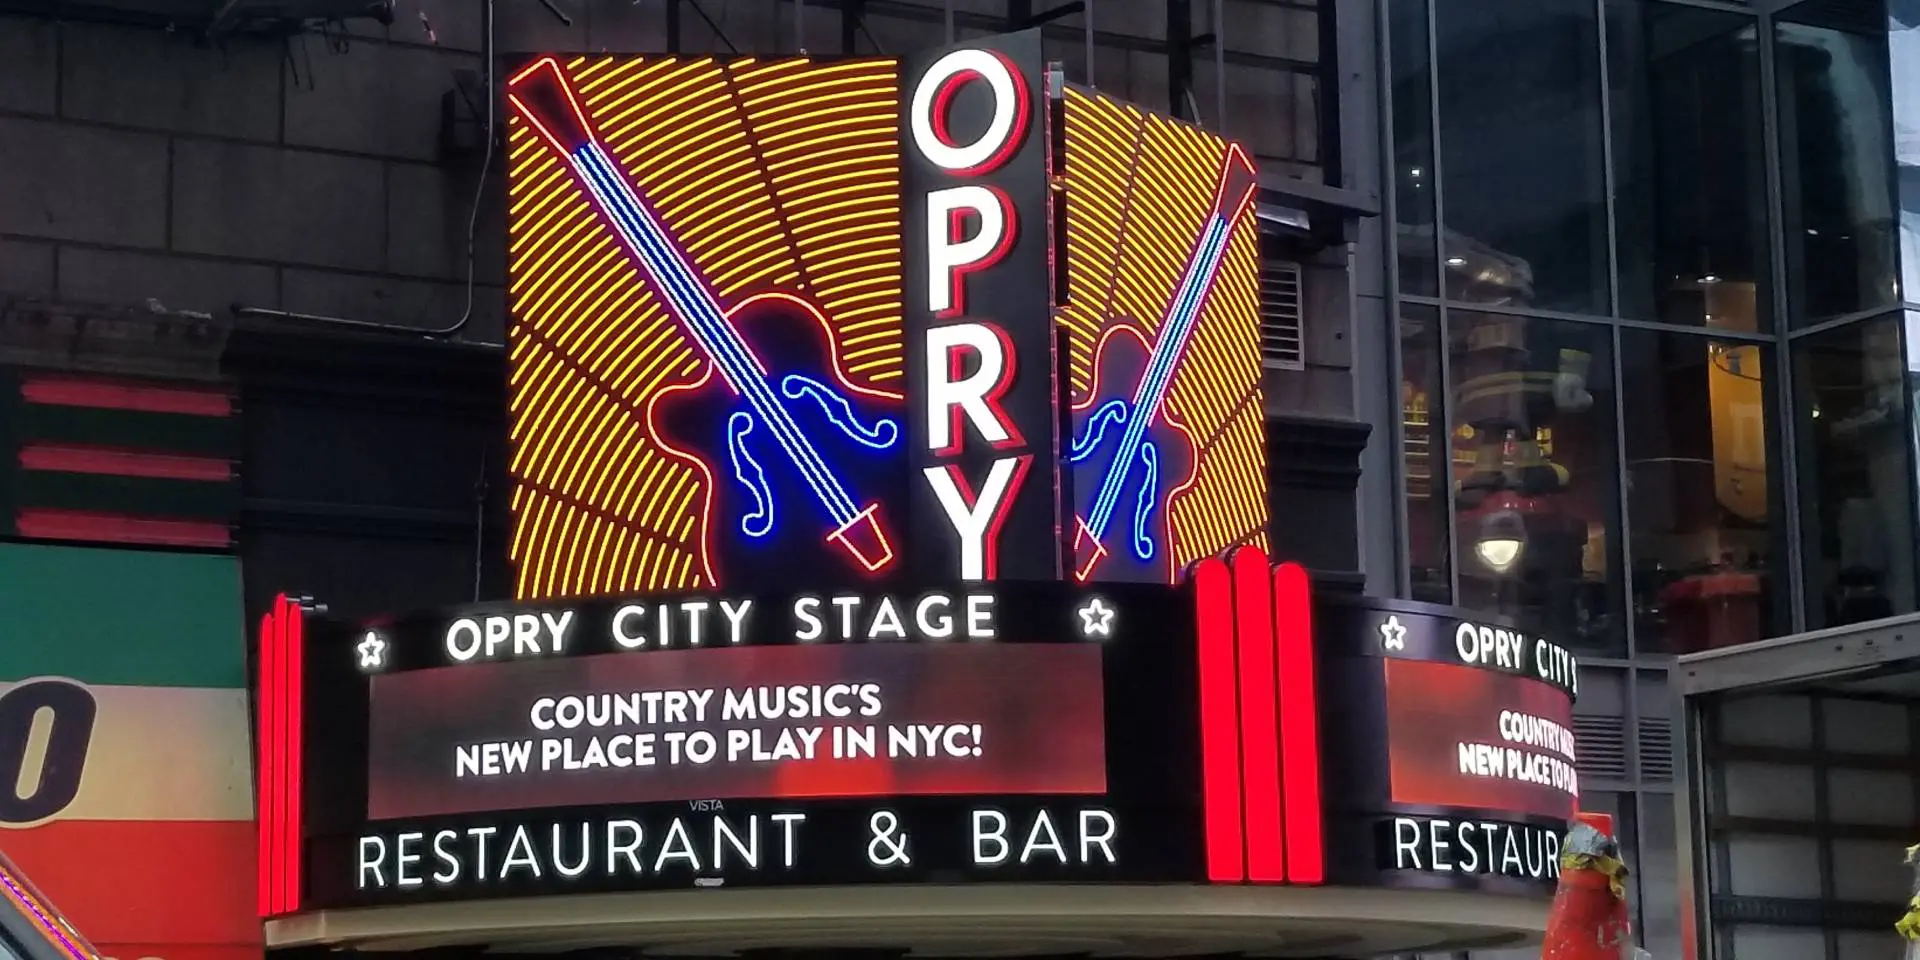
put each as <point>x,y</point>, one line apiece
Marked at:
<point>983,360</point>
<point>1465,774</point>
<point>1019,731</point>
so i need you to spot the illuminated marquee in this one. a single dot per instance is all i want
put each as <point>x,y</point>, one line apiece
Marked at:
<point>872,322</point>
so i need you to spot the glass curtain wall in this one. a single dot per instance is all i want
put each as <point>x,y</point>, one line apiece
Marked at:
<point>1654,264</point>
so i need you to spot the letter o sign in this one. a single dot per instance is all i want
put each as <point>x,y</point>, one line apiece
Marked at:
<point>933,98</point>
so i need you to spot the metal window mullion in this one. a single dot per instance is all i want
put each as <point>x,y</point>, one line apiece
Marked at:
<point>1730,336</point>
<point>1845,319</point>
<point>1623,546</point>
<point>1443,474</point>
<point>1086,18</point>
<point>1823,814</point>
<point>1220,87</point>
<point>1785,414</point>
<point>1605,73</point>
<point>1396,354</point>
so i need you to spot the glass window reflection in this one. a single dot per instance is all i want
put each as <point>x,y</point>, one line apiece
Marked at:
<point>1854,446</point>
<point>1836,159</point>
<point>1521,159</point>
<point>1903,50</point>
<point>1700,491</point>
<point>1689,164</point>
<point>1423,414</point>
<point>1413,183</point>
<point>1535,474</point>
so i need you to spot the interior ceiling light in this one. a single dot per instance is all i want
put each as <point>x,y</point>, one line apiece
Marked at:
<point>1502,540</point>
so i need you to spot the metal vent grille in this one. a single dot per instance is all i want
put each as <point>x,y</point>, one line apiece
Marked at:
<point>1282,316</point>
<point>1601,743</point>
<point>1656,749</point>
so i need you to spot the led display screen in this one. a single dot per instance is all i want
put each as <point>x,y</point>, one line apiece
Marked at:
<point>1464,774</point>
<point>741,722</point>
<point>1460,737</point>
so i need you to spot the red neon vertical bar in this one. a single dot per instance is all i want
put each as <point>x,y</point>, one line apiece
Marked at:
<point>1259,719</point>
<point>296,754</point>
<point>1219,721</point>
<point>1299,725</point>
<point>265,745</point>
<point>281,756</point>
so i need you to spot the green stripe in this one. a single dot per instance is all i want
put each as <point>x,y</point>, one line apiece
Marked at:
<point>159,498</point>
<point>129,429</point>
<point>135,617</point>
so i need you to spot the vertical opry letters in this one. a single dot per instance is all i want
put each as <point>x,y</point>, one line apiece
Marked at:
<point>981,347</point>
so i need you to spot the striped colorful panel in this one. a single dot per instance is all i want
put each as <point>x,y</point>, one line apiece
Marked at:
<point>118,461</point>
<point>125,693</point>
<point>785,178</point>
<point>1139,186</point>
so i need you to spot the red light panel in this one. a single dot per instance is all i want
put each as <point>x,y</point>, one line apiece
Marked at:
<point>1299,724</point>
<point>1259,708</point>
<point>278,743</point>
<point>1259,715</point>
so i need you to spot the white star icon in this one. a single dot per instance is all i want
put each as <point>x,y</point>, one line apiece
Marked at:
<point>372,650</point>
<point>1096,618</point>
<point>1393,634</point>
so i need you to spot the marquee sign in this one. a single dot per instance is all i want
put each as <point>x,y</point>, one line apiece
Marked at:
<point>1232,730</point>
<point>1018,731</point>
<point>873,320</point>
<point>890,507</point>
<point>1472,772</point>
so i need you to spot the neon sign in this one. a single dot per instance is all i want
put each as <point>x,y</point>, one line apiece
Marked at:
<point>872,322</point>
<point>542,95</point>
<point>706,352</point>
<point>1146,430</point>
<point>1167,459</point>
<point>980,334</point>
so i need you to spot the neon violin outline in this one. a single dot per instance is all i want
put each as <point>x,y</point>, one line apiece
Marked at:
<point>1234,189</point>
<point>857,529</point>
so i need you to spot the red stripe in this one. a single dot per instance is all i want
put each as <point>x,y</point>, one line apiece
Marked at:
<point>170,882</point>
<point>1259,718</point>
<point>76,458</point>
<point>294,745</point>
<point>1299,725</point>
<point>1219,721</point>
<point>125,395</point>
<point>50,524</point>
<point>268,771</point>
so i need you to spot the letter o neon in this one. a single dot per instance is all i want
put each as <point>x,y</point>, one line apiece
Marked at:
<point>454,648</point>
<point>935,90</point>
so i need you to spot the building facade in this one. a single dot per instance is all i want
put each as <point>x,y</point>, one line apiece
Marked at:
<point>1653,269</point>
<point>1589,313</point>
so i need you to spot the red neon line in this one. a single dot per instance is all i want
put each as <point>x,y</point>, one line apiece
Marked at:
<point>1219,721</point>
<point>1299,725</point>
<point>50,524</point>
<point>1259,717</point>
<point>81,458</point>
<point>279,732</point>
<point>264,748</point>
<point>295,661</point>
<point>121,395</point>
